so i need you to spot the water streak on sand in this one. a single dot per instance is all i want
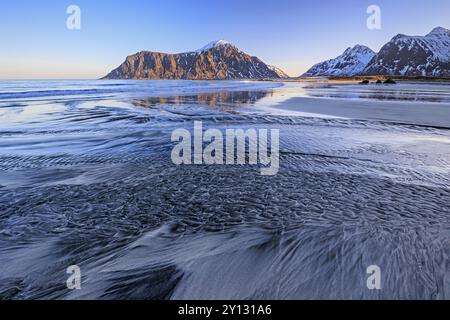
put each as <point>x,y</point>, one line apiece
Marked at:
<point>86,179</point>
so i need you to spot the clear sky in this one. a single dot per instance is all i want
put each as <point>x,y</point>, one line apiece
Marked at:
<point>291,34</point>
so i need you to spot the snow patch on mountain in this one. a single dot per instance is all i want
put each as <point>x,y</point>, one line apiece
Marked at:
<point>279,72</point>
<point>439,42</point>
<point>214,44</point>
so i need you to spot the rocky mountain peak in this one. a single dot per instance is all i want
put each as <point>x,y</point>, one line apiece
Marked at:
<point>218,60</point>
<point>351,62</point>
<point>439,31</point>
<point>358,49</point>
<point>403,55</point>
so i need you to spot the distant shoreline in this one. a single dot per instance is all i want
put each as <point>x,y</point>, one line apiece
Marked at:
<point>358,79</point>
<point>380,77</point>
<point>354,79</point>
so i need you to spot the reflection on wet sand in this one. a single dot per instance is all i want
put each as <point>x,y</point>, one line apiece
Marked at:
<point>220,100</point>
<point>380,93</point>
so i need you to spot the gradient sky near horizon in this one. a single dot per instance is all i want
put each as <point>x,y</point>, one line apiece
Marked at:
<point>291,34</point>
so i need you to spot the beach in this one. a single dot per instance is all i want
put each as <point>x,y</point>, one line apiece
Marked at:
<point>86,179</point>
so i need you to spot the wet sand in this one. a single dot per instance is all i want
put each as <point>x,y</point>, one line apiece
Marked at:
<point>427,114</point>
<point>88,180</point>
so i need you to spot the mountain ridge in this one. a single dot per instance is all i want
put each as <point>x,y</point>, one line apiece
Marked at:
<point>350,63</point>
<point>218,60</point>
<point>403,55</point>
<point>406,55</point>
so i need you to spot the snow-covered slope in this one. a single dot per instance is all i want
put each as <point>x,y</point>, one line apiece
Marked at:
<point>214,44</point>
<point>414,56</point>
<point>279,72</point>
<point>351,62</point>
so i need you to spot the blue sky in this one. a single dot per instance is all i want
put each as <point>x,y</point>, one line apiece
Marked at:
<point>291,34</point>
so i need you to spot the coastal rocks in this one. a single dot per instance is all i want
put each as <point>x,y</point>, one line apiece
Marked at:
<point>387,81</point>
<point>390,81</point>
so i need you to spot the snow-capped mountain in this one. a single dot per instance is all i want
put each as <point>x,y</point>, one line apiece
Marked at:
<point>351,62</point>
<point>414,56</point>
<point>217,60</point>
